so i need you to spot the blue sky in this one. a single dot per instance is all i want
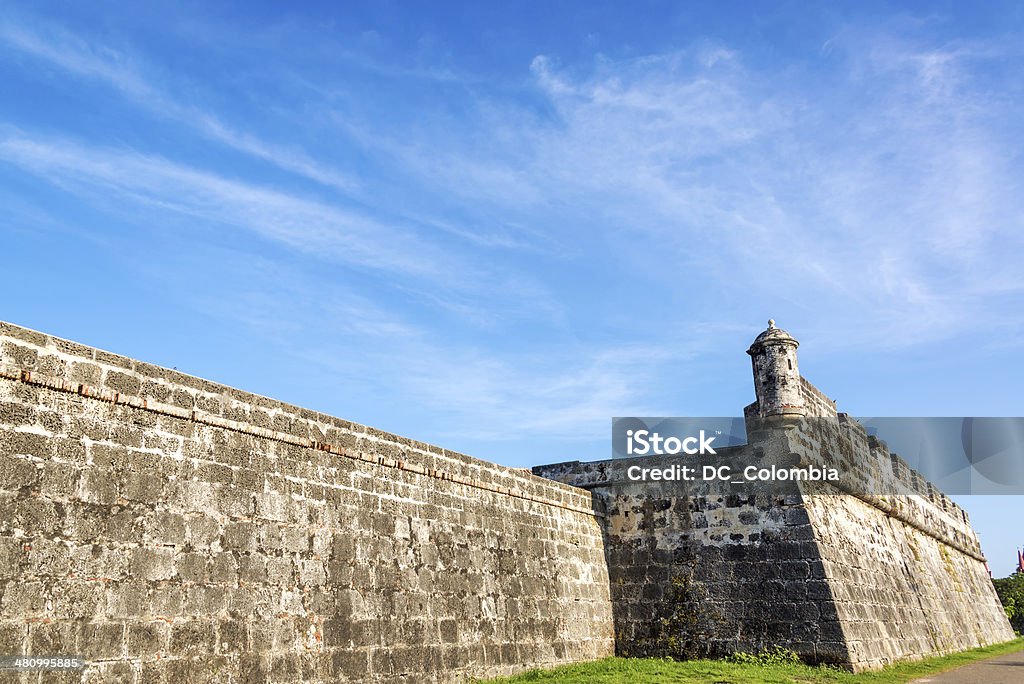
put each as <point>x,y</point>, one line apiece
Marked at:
<point>493,226</point>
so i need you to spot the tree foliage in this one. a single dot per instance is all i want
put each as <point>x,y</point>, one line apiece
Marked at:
<point>1011,593</point>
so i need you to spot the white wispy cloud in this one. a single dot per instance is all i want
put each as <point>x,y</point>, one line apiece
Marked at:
<point>560,392</point>
<point>875,194</point>
<point>415,268</point>
<point>886,187</point>
<point>378,351</point>
<point>123,73</point>
<point>302,224</point>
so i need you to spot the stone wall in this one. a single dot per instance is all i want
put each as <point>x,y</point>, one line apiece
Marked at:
<point>875,568</point>
<point>169,529</point>
<point>698,572</point>
<point>816,403</point>
<point>904,565</point>
<point>900,592</point>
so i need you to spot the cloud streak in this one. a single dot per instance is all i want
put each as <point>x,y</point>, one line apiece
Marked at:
<point>534,256</point>
<point>80,58</point>
<point>157,183</point>
<point>895,206</point>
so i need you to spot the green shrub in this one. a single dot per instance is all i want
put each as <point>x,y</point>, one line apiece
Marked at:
<point>776,655</point>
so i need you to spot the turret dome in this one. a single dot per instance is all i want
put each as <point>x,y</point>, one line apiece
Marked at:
<point>772,335</point>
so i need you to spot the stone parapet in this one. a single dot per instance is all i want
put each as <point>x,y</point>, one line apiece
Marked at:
<point>168,528</point>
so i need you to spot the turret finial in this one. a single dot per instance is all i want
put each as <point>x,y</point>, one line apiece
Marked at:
<point>771,324</point>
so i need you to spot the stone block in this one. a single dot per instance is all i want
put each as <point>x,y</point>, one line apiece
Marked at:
<point>33,515</point>
<point>70,450</point>
<point>51,638</point>
<point>192,567</point>
<point>98,486</point>
<point>15,414</point>
<point>224,569</point>
<point>151,564</point>
<point>124,525</point>
<point>164,528</point>
<point>193,637</point>
<point>201,531</point>
<point>311,573</point>
<point>17,472</point>
<point>20,355</point>
<point>232,636</point>
<point>77,600</point>
<point>87,373</point>
<point>102,672</point>
<point>13,636</point>
<point>46,558</point>
<point>59,480</point>
<point>16,443</point>
<point>127,599</point>
<point>141,487</point>
<point>252,569</point>
<point>167,600</point>
<point>102,640</point>
<point>122,382</point>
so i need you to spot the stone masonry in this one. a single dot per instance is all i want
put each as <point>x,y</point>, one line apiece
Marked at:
<point>875,568</point>
<point>169,529</point>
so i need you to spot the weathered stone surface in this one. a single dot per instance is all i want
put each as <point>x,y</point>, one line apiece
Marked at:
<point>860,580</point>
<point>170,530</point>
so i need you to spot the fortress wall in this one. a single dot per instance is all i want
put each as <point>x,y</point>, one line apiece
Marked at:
<point>867,466</point>
<point>906,569</point>
<point>816,402</point>
<point>899,592</point>
<point>169,529</point>
<point>879,567</point>
<point>696,572</point>
<point>883,480</point>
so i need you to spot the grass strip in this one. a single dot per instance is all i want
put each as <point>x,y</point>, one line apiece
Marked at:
<point>658,671</point>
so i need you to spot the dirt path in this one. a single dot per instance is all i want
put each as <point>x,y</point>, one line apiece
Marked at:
<point>1005,669</point>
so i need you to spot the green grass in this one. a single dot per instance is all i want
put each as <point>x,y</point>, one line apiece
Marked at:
<point>653,671</point>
